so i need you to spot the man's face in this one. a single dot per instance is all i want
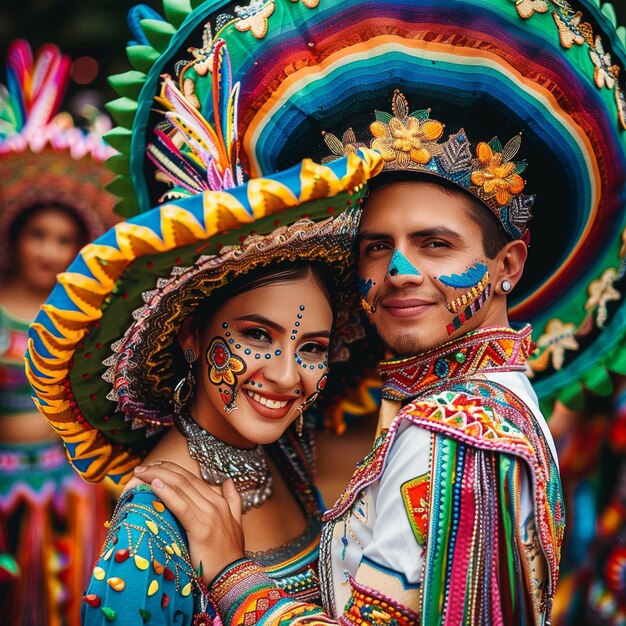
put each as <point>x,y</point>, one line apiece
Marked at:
<point>424,275</point>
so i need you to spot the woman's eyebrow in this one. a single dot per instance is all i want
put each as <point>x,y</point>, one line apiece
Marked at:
<point>260,319</point>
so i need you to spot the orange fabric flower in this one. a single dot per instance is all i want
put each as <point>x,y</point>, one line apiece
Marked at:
<point>406,141</point>
<point>497,178</point>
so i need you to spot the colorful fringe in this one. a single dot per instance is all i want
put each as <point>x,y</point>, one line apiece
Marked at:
<point>51,526</point>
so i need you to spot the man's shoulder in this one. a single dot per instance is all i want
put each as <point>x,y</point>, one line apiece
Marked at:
<point>480,413</point>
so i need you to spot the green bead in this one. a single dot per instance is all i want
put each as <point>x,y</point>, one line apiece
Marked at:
<point>110,614</point>
<point>460,357</point>
<point>145,615</point>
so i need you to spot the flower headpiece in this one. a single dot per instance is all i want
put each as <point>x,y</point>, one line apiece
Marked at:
<point>44,157</point>
<point>412,142</point>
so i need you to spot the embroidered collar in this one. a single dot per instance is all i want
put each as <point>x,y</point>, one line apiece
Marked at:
<point>479,352</point>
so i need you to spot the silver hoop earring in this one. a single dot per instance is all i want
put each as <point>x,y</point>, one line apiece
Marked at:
<point>506,286</point>
<point>184,388</point>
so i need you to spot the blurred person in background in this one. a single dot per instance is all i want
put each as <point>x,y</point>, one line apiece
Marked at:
<point>52,202</point>
<point>591,441</point>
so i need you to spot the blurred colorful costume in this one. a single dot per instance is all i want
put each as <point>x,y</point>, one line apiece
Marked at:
<point>50,519</point>
<point>316,78</point>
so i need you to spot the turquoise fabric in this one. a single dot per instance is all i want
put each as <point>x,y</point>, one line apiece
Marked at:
<point>144,574</point>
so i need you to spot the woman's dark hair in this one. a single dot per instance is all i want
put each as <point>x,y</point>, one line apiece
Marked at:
<point>20,221</point>
<point>493,235</point>
<point>268,275</point>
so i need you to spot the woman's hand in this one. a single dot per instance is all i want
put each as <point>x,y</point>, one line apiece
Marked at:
<point>212,521</point>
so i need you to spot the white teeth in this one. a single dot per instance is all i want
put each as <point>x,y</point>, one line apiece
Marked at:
<point>270,404</point>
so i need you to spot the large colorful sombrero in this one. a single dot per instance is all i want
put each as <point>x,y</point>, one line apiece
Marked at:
<point>100,352</point>
<point>302,73</point>
<point>45,158</point>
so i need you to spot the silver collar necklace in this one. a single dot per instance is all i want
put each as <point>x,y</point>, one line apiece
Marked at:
<point>248,467</point>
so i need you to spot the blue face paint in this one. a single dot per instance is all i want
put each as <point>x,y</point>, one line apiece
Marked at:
<point>363,286</point>
<point>400,265</point>
<point>470,278</point>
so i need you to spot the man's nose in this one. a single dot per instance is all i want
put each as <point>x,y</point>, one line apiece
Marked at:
<point>401,270</point>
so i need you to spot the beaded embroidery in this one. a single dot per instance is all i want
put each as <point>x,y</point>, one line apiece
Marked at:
<point>411,142</point>
<point>482,351</point>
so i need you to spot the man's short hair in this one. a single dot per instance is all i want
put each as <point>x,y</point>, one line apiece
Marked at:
<point>493,235</point>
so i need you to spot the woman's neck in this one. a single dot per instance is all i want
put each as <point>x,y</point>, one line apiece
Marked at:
<point>20,299</point>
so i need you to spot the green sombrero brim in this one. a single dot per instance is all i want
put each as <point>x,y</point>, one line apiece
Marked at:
<point>93,303</point>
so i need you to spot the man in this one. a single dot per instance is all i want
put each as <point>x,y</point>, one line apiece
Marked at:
<point>456,514</point>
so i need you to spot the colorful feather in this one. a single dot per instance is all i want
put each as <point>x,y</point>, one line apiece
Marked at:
<point>37,86</point>
<point>208,157</point>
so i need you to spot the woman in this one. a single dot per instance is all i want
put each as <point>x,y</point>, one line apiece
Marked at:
<point>252,369</point>
<point>52,202</point>
<point>198,332</point>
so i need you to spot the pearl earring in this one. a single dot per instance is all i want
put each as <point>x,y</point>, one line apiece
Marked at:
<point>506,286</point>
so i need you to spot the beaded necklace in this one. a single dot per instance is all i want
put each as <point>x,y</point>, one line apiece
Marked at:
<point>248,467</point>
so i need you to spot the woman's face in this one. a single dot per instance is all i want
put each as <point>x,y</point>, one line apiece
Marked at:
<point>45,246</point>
<point>260,357</point>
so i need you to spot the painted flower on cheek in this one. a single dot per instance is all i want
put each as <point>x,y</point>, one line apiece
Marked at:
<point>224,366</point>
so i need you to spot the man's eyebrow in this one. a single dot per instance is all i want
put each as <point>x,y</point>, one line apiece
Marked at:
<point>368,235</point>
<point>435,231</point>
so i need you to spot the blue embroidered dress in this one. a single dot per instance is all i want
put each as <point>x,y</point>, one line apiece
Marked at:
<point>144,574</point>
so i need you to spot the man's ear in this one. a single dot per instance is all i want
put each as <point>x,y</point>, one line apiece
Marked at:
<point>510,261</point>
<point>189,335</point>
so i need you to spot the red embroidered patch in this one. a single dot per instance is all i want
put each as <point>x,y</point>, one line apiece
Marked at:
<point>416,496</point>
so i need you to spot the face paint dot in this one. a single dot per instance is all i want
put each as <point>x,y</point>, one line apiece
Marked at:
<point>320,366</point>
<point>257,356</point>
<point>237,345</point>
<point>268,356</point>
<point>292,337</point>
<point>247,351</point>
<point>224,325</point>
<point>278,353</point>
<point>227,334</point>
<point>299,316</point>
<point>311,367</point>
<point>231,341</point>
<point>297,324</point>
<point>297,392</point>
<point>302,307</point>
